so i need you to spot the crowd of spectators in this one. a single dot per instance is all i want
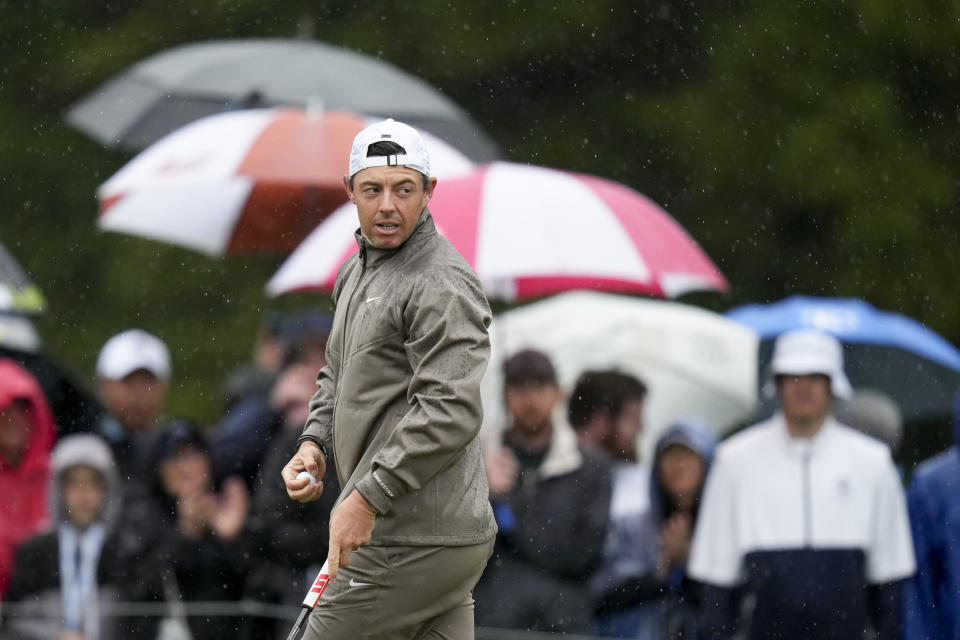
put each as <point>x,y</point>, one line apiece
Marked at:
<point>798,527</point>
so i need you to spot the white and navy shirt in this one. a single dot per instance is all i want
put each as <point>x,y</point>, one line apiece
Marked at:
<point>802,523</point>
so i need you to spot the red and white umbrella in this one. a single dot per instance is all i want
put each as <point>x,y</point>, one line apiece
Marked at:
<point>256,180</point>
<point>531,231</point>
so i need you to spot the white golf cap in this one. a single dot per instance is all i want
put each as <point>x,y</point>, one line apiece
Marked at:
<point>390,130</point>
<point>806,351</point>
<point>131,350</point>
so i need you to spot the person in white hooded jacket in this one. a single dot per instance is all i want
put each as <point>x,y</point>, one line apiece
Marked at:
<point>67,581</point>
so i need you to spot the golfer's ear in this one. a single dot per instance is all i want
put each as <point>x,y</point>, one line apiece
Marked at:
<point>432,185</point>
<point>348,189</point>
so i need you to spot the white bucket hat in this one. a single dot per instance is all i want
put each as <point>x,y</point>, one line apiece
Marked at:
<point>806,351</point>
<point>390,130</point>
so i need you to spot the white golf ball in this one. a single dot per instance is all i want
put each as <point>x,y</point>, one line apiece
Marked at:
<point>306,474</point>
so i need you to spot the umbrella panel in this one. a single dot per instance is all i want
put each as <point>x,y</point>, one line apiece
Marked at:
<point>278,216</point>
<point>177,86</point>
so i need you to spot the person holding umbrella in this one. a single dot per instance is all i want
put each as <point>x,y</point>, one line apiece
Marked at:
<point>398,408</point>
<point>803,515</point>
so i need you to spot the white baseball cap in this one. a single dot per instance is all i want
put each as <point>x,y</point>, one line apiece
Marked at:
<point>390,130</point>
<point>806,351</point>
<point>131,350</point>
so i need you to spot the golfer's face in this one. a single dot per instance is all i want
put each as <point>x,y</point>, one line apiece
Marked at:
<point>389,202</point>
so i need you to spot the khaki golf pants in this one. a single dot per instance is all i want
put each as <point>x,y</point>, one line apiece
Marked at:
<point>402,593</point>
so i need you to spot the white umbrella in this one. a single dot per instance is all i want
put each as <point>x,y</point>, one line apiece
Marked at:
<point>693,361</point>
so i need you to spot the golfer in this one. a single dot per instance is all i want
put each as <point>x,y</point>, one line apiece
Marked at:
<point>398,410</point>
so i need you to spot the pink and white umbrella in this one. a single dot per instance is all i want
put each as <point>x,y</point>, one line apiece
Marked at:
<point>531,231</point>
<point>257,180</point>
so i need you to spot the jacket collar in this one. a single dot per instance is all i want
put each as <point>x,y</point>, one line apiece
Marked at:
<point>563,455</point>
<point>373,256</point>
<point>804,446</point>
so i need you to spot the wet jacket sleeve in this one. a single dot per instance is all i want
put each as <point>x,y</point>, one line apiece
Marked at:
<point>319,425</point>
<point>920,618</point>
<point>445,322</point>
<point>320,421</point>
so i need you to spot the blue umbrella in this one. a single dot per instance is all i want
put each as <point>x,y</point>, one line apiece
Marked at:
<point>883,350</point>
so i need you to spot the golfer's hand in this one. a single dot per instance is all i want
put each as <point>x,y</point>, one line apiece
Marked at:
<point>350,527</point>
<point>308,458</point>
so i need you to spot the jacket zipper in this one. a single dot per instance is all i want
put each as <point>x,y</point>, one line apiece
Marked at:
<point>807,502</point>
<point>362,256</point>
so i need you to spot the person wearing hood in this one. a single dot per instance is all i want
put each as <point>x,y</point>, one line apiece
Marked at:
<point>802,517</point>
<point>195,526</point>
<point>645,593</point>
<point>27,433</point>
<point>65,579</point>
<point>932,597</point>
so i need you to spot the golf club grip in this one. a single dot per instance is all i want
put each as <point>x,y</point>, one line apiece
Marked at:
<point>316,590</point>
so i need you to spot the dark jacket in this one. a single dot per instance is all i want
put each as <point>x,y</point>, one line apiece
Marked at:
<point>932,597</point>
<point>398,404</point>
<point>551,530</point>
<point>204,570</point>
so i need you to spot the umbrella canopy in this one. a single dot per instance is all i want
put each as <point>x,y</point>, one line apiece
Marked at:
<point>179,85</point>
<point>883,350</point>
<point>531,231</point>
<point>256,180</point>
<point>693,361</point>
<point>17,293</point>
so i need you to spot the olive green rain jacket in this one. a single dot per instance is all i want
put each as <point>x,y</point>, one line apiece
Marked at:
<point>398,403</point>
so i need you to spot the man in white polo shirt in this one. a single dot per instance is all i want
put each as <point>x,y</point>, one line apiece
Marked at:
<point>803,530</point>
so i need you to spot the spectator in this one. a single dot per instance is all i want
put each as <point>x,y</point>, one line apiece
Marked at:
<point>551,500</point>
<point>803,515</point>
<point>606,409</point>
<point>653,599</point>
<point>27,433</point>
<point>284,531</point>
<point>932,598</point>
<point>133,371</point>
<point>196,530</point>
<point>239,443</point>
<point>62,576</point>
<point>256,378</point>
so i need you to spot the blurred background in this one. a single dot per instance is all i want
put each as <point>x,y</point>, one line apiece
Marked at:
<point>808,148</point>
